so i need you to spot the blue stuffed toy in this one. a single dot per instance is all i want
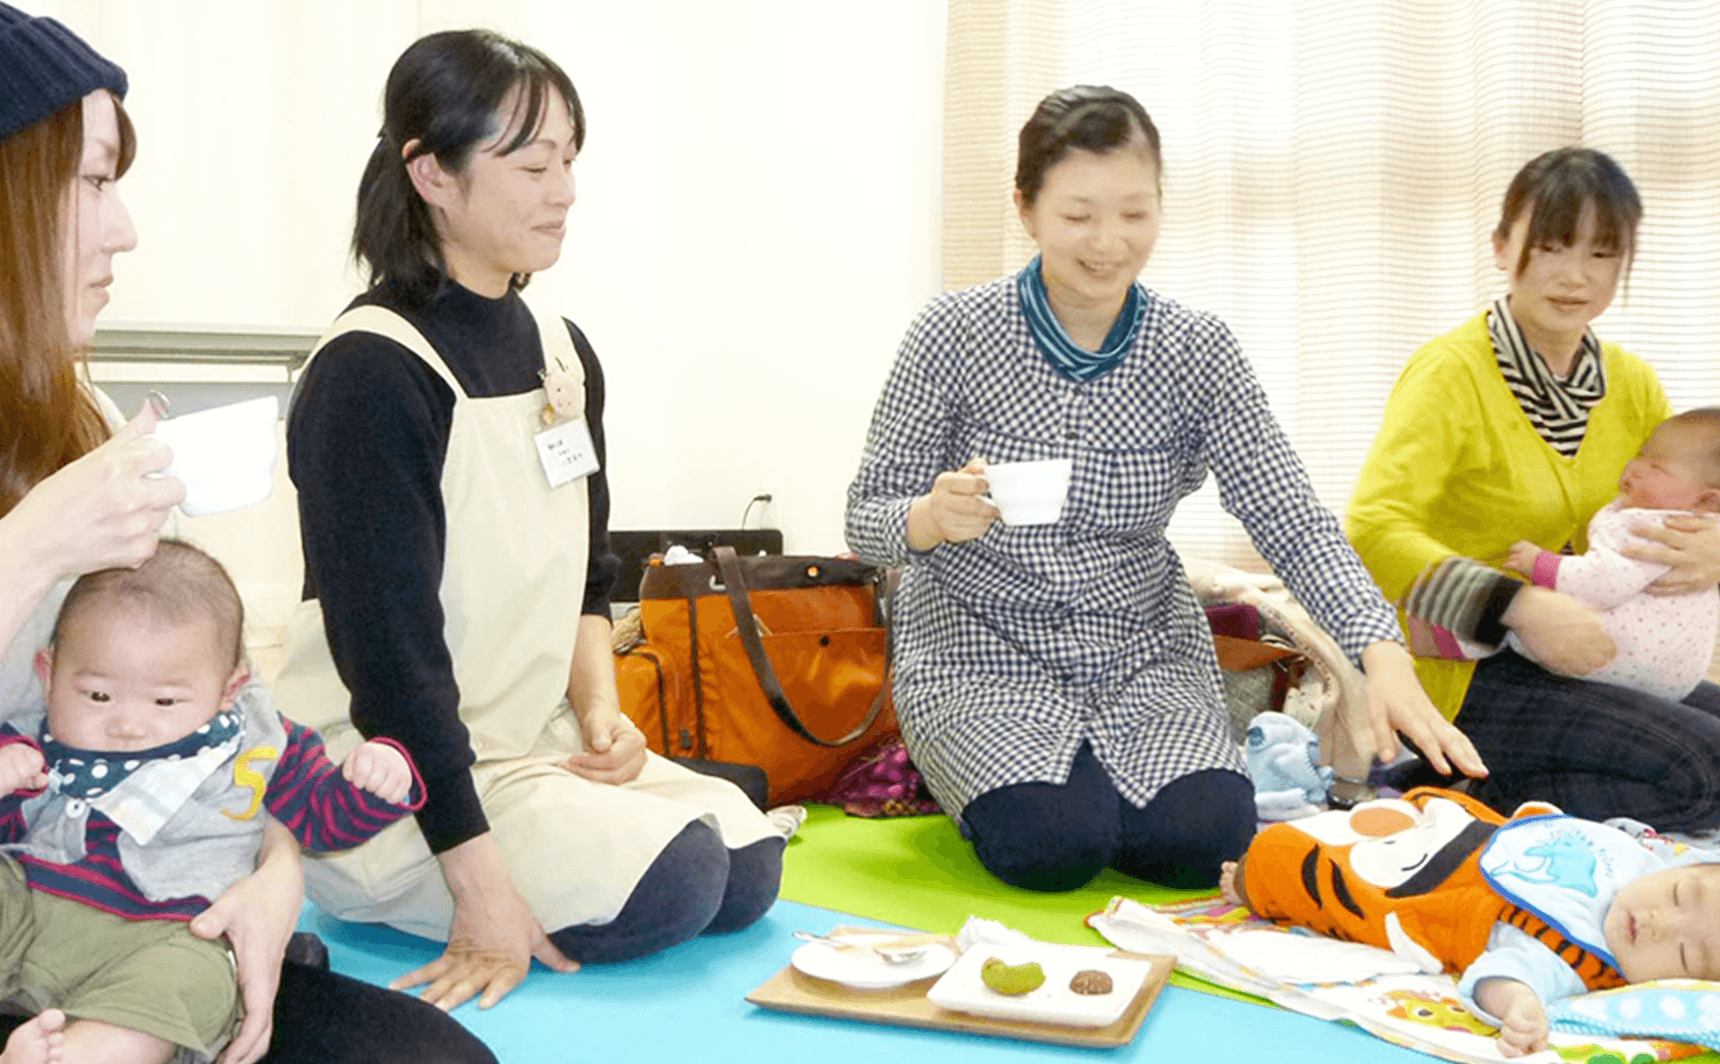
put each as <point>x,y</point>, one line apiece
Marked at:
<point>1284,761</point>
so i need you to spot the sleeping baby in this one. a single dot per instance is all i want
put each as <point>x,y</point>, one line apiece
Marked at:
<point>1526,912</point>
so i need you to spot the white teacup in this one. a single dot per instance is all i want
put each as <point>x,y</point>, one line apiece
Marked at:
<point>225,456</point>
<point>1030,493</point>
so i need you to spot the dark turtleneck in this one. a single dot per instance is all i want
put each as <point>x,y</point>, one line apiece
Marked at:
<point>366,437</point>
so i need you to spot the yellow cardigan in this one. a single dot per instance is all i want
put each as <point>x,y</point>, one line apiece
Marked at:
<point>1458,469</point>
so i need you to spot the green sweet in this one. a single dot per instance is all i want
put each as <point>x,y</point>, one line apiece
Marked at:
<point>1012,979</point>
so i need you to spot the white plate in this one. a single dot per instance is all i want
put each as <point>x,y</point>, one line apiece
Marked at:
<point>962,990</point>
<point>865,970</point>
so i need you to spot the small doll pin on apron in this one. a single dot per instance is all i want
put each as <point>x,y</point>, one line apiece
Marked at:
<point>561,390</point>
<point>564,445</point>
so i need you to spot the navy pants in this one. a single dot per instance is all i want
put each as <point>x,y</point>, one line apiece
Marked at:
<point>1055,837</point>
<point>1594,750</point>
<point>696,886</point>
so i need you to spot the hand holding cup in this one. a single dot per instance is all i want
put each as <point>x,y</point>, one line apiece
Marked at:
<point>1030,493</point>
<point>954,511</point>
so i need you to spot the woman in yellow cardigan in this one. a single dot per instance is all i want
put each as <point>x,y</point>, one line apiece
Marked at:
<point>1518,425</point>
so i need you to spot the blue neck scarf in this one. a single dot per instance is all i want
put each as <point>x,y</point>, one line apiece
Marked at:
<point>1065,355</point>
<point>91,773</point>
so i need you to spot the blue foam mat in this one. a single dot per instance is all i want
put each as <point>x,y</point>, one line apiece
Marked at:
<point>688,1004</point>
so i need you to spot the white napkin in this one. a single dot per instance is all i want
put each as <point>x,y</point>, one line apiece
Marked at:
<point>978,931</point>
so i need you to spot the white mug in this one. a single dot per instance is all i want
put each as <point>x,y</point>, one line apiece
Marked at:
<point>1030,493</point>
<point>225,455</point>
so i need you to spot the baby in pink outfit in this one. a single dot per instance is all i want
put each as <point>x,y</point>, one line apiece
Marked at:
<point>1664,642</point>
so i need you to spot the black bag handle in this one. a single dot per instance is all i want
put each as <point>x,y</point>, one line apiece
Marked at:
<point>735,583</point>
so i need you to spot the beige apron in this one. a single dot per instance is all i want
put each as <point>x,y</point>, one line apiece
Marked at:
<point>512,584</point>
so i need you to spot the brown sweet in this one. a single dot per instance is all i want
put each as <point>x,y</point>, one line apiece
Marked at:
<point>1091,981</point>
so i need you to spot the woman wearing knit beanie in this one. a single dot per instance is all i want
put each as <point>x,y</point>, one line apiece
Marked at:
<point>79,492</point>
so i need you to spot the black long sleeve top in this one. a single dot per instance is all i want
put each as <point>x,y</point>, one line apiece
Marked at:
<point>366,438</point>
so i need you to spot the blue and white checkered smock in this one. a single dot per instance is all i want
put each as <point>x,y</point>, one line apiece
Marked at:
<point>1014,648</point>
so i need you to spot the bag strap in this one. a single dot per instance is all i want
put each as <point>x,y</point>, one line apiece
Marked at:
<point>698,682</point>
<point>765,672</point>
<point>644,650</point>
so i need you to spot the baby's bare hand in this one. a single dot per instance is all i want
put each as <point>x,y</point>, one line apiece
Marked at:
<point>380,769</point>
<point>22,768</point>
<point>1523,1029</point>
<point>1523,555</point>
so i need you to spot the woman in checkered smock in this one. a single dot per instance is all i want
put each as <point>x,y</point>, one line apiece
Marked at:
<point>1056,683</point>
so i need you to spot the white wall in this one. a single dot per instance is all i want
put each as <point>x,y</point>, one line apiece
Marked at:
<point>758,215</point>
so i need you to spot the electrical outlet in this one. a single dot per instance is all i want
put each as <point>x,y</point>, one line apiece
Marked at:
<point>762,509</point>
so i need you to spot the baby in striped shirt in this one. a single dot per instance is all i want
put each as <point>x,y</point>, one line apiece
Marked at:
<point>140,796</point>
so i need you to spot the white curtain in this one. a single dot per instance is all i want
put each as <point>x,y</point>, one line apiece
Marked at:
<point>757,222</point>
<point>1333,170</point>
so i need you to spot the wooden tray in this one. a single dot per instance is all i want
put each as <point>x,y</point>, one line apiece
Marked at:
<point>791,990</point>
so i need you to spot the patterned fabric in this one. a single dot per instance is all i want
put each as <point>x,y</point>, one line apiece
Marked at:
<point>880,784</point>
<point>1454,609</point>
<point>90,773</point>
<point>1066,356</point>
<point>1682,1010</point>
<point>1664,642</point>
<point>1399,874</point>
<point>1595,973</point>
<point>306,793</point>
<point>1568,872</point>
<point>100,882</point>
<point>1558,408</point>
<point>1013,649</point>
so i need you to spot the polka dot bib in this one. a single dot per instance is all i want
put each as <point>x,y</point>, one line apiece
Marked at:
<point>92,773</point>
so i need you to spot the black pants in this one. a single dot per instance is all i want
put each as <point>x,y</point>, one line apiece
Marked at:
<point>1055,837</point>
<point>325,1018</point>
<point>1592,749</point>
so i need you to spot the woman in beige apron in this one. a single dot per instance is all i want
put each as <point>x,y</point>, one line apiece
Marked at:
<point>446,443</point>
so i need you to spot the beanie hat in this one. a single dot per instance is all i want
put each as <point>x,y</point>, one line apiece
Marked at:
<point>43,67</point>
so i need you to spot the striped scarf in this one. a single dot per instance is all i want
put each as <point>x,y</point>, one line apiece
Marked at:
<point>1065,355</point>
<point>1558,409</point>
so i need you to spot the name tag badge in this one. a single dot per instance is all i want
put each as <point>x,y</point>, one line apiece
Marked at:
<point>566,452</point>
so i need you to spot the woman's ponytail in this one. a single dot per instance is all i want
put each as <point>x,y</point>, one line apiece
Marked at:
<point>393,235</point>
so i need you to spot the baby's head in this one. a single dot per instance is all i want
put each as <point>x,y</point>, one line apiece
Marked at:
<point>144,657</point>
<point>1666,925</point>
<point>1679,467</point>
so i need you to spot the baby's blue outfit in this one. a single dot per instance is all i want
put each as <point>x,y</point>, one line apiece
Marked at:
<point>1567,871</point>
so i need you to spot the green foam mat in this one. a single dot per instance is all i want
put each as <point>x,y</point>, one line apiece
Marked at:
<point>919,872</point>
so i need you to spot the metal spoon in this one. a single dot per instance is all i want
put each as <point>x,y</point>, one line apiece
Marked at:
<point>889,954</point>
